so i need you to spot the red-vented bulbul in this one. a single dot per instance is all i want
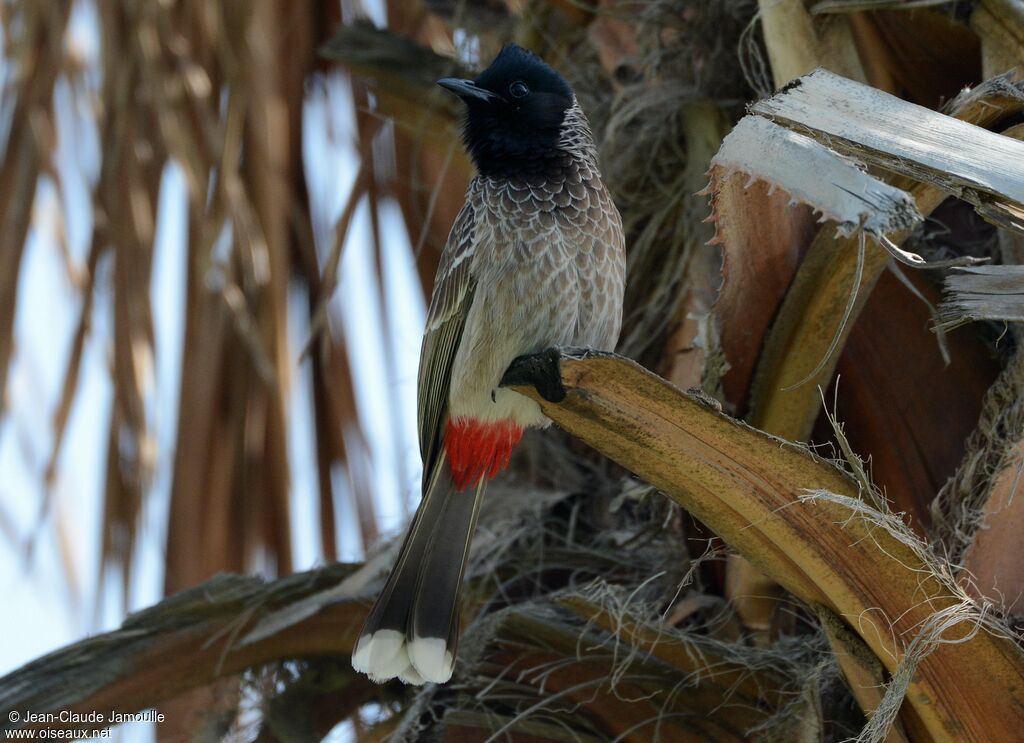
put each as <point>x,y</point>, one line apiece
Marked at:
<point>535,259</point>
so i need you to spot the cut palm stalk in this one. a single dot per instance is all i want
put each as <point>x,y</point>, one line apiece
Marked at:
<point>809,321</point>
<point>830,289</point>
<point>788,176</point>
<point>751,489</point>
<point>983,293</point>
<point>817,175</point>
<point>979,166</point>
<point>766,183</point>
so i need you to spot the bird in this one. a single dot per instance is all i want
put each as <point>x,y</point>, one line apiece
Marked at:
<point>535,259</point>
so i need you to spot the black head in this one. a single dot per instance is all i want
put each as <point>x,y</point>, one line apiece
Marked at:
<point>514,112</point>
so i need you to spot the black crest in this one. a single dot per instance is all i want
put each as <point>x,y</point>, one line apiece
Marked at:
<point>514,113</point>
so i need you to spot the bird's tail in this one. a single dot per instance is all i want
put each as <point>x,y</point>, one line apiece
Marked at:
<point>413,629</point>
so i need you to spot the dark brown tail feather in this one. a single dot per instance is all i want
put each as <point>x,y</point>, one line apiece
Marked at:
<point>420,599</point>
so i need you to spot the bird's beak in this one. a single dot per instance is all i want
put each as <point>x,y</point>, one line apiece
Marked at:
<point>467,90</point>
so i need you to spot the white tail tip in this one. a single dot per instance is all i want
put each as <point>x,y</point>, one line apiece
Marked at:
<point>411,676</point>
<point>387,654</point>
<point>431,659</point>
<point>382,655</point>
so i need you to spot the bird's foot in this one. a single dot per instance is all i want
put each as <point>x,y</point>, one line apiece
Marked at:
<point>541,370</point>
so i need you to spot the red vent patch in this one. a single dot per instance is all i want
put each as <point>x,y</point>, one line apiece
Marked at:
<point>476,449</point>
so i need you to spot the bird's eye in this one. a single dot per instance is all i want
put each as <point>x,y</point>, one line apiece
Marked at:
<point>518,89</point>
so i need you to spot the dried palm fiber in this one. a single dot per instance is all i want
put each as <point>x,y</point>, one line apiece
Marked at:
<point>958,508</point>
<point>37,59</point>
<point>545,662</point>
<point>645,112</point>
<point>597,658</point>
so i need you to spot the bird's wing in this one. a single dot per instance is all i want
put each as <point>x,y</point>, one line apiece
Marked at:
<point>446,318</point>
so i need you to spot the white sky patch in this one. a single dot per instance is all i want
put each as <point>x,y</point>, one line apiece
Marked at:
<point>45,319</point>
<point>467,47</point>
<point>346,522</point>
<point>386,394</point>
<point>307,550</point>
<point>356,305</point>
<point>407,317</point>
<point>168,282</point>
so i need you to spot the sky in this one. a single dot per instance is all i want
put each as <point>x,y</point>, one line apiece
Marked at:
<point>49,556</point>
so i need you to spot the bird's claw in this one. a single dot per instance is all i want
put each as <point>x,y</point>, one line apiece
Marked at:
<point>541,370</point>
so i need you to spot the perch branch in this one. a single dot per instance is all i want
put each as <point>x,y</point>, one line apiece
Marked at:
<point>752,489</point>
